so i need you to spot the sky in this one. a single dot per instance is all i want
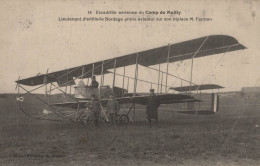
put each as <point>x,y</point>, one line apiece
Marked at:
<point>32,39</point>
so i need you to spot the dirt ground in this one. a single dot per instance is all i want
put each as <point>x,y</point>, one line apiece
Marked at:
<point>231,137</point>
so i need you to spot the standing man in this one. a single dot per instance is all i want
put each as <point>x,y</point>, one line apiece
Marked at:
<point>95,108</point>
<point>112,108</point>
<point>152,105</point>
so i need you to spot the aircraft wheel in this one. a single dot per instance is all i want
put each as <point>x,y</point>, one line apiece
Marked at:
<point>86,119</point>
<point>124,119</point>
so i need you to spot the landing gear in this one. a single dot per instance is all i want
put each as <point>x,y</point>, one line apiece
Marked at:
<point>122,119</point>
<point>87,119</point>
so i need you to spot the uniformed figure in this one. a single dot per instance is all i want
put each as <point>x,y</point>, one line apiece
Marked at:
<point>112,108</point>
<point>95,108</point>
<point>94,83</point>
<point>152,105</point>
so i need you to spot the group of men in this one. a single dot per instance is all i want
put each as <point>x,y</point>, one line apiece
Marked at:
<point>95,106</point>
<point>113,107</point>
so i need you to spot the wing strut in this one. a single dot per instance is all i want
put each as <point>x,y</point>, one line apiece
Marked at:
<point>159,72</point>
<point>93,69</point>
<point>114,76</point>
<point>102,74</point>
<point>169,49</point>
<point>135,83</point>
<point>127,84</point>
<point>215,66</point>
<point>123,81</point>
<point>136,74</point>
<point>46,83</point>
<point>169,75</point>
<point>82,73</point>
<point>161,83</point>
<point>194,57</point>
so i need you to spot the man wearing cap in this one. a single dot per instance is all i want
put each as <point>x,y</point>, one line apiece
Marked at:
<point>95,108</point>
<point>152,105</point>
<point>112,108</point>
<point>94,83</point>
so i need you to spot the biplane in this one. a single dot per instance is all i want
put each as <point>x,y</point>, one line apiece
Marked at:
<point>72,106</point>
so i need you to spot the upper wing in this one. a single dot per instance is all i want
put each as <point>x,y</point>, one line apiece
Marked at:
<point>203,46</point>
<point>63,77</point>
<point>196,87</point>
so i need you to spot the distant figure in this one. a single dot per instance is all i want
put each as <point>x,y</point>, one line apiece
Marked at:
<point>112,108</point>
<point>95,108</point>
<point>152,105</point>
<point>94,83</point>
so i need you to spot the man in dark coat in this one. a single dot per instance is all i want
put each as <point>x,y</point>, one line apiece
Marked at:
<point>112,108</point>
<point>94,83</point>
<point>95,108</point>
<point>152,105</point>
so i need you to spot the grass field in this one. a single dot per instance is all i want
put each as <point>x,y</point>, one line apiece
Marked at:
<point>231,137</point>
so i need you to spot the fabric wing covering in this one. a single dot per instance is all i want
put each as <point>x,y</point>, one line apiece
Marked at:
<point>197,87</point>
<point>163,98</point>
<point>195,48</point>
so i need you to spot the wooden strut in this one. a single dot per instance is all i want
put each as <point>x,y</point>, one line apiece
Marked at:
<point>32,89</point>
<point>167,73</point>
<point>136,74</point>
<point>102,74</point>
<point>141,80</point>
<point>215,65</point>
<point>191,73</point>
<point>82,73</point>
<point>103,79</point>
<point>127,83</point>
<point>77,113</point>
<point>66,87</point>
<point>102,110</point>
<point>161,83</point>
<point>46,85</point>
<point>158,87</point>
<point>65,93</point>
<point>192,61</point>
<point>49,94</point>
<point>130,109</point>
<point>114,76</point>
<point>81,76</point>
<point>123,82</point>
<point>68,73</point>
<point>135,82</point>
<point>93,69</point>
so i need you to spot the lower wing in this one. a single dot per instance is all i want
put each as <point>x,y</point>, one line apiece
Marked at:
<point>163,99</point>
